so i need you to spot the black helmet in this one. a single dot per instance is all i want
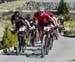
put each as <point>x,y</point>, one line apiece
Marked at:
<point>28,15</point>
<point>17,13</point>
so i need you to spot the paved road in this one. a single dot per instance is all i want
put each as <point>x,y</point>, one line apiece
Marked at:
<point>63,51</point>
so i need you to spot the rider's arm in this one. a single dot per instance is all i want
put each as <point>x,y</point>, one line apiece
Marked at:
<point>27,23</point>
<point>55,19</point>
<point>12,19</point>
<point>50,18</point>
<point>35,19</point>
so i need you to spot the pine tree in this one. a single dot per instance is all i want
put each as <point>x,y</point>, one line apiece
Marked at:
<point>63,8</point>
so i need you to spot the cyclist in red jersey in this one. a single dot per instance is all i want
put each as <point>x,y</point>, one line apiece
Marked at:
<point>43,19</point>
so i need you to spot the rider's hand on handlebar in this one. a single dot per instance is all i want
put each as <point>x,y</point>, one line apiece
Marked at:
<point>33,27</point>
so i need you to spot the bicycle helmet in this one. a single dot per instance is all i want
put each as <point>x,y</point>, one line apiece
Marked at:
<point>28,15</point>
<point>41,9</point>
<point>16,13</point>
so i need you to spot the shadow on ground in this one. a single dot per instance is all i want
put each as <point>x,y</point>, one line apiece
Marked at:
<point>29,55</point>
<point>69,36</point>
<point>72,60</point>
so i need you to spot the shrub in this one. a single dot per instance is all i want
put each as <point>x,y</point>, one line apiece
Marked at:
<point>69,33</point>
<point>9,39</point>
<point>70,24</point>
<point>69,17</point>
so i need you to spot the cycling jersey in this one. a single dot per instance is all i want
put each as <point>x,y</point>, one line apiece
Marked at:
<point>19,24</point>
<point>42,18</point>
<point>13,19</point>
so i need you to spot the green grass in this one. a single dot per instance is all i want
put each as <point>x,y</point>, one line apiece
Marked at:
<point>12,5</point>
<point>69,33</point>
<point>8,40</point>
<point>69,24</point>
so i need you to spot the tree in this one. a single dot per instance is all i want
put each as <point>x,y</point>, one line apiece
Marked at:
<point>63,8</point>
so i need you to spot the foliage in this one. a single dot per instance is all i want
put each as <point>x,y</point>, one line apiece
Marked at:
<point>2,1</point>
<point>9,39</point>
<point>69,17</point>
<point>63,8</point>
<point>69,33</point>
<point>69,24</point>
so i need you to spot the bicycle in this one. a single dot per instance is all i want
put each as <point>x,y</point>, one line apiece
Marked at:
<point>52,36</point>
<point>32,36</point>
<point>45,36</point>
<point>21,40</point>
<point>32,33</point>
<point>47,39</point>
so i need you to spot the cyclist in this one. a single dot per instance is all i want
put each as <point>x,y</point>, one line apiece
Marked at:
<point>19,22</point>
<point>43,19</point>
<point>56,23</point>
<point>29,17</point>
<point>61,23</point>
<point>52,15</point>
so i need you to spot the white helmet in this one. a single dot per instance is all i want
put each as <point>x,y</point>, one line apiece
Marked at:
<point>41,9</point>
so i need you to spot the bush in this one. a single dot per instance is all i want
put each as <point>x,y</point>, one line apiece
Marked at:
<point>9,39</point>
<point>69,17</point>
<point>70,24</point>
<point>69,33</point>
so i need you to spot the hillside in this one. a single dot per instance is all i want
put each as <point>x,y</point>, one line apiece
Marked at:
<point>2,26</point>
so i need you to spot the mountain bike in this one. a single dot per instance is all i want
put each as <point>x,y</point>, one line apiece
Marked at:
<point>21,40</point>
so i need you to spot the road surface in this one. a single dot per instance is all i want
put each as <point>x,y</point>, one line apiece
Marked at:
<point>63,51</point>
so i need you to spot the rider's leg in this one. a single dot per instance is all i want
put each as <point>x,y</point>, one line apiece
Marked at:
<point>26,33</point>
<point>19,47</point>
<point>39,33</point>
<point>56,34</point>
